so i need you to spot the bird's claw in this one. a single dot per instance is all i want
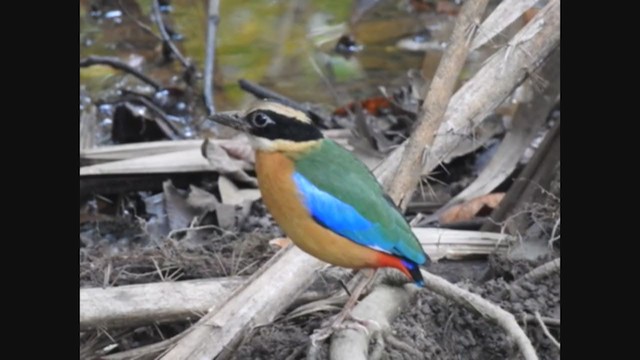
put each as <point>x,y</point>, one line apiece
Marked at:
<point>354,323</point>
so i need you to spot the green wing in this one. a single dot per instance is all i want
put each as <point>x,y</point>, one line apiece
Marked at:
<point>343,195</point>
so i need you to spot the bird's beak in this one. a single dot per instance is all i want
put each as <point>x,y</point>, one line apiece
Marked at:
<point>231,119</point>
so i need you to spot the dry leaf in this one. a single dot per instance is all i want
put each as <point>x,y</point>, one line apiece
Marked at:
<point>179,212</point>
<point>202,199</point>
<point>223,163</point>
<point>231,195</point>
<point>468,210</point>
<point>281,242</point>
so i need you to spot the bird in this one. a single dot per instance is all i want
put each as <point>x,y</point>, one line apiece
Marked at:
<point>324,198</point>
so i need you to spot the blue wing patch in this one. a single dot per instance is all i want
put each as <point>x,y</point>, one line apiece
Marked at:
<point>345,220</point>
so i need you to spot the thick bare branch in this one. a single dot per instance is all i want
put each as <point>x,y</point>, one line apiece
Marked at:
<point>134,305</point>
<point>435,104</point>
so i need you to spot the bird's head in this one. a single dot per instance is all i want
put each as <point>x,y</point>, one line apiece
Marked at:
<point>272,126</point>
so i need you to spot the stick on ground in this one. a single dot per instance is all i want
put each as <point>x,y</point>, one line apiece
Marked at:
<point>540,272</point>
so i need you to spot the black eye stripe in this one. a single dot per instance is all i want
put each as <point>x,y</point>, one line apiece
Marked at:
<point>283,127</point>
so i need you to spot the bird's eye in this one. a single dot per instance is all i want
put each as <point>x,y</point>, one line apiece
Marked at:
<point>261,120</point>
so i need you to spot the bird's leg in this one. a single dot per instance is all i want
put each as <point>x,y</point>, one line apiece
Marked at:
<point>325,332</point>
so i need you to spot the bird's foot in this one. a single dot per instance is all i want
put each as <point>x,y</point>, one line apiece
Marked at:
<point>339,323</point>
<point>364,323</point>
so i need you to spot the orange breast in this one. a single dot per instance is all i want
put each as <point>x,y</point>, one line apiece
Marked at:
<point>279,194</point>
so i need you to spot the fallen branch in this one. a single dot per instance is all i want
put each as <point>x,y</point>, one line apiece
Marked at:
<point>546,331</point>
<point>434,106</point>
<point>174,162</point>
<point>178,156</point>
<point>212,25</point>
<point>382,305</point>
<point>117,64</point>
<point>458,244</point>
<point>129,151</point>
<point>134,305</point>
<point>539,272</point>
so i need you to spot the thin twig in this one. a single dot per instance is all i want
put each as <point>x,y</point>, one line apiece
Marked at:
<point>549,321</point>
<point>117,64</point>
<point>166,39</point>
<point>553,233</point>
<point>142,25</point>
<point>485,308</point>
<point>540,272</point>
<point>212,25</point>
<point>546,331</point>
<point>437,99</point>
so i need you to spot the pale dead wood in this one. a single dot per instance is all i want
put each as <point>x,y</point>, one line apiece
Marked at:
<point>142,304</point>
<point>434,107</point>
<point>541,271</point>
<point>488,88</point>
<point>173,162</point>
<point>504,14</point>
<point>111,153</point>
<point>129,151</point>
<point>546,331</point>
<point>458,244</point>
<point>527,121</point>
<point>382,305</point>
